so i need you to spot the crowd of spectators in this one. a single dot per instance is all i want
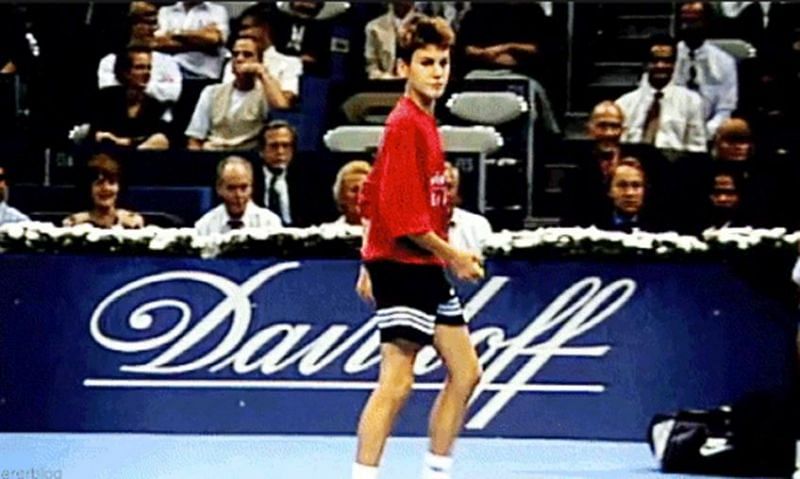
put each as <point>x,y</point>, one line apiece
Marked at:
<point>703,140</point>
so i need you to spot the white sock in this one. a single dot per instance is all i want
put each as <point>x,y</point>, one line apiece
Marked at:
<point>360,471</point>
<point>436,466</point>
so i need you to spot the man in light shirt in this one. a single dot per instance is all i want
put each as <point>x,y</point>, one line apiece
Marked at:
<point>381,40</point>
<point>705,68</point>
<point>235,188</point>
<point>659,112</point>
<point>8,214</point>
<point>286,69</point>
<point>229,116</point>
<point>195,32</point>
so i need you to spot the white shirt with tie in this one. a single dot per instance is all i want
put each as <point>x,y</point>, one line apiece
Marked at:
<point>282,190</point>
<point>681,121</point>
<point>716,78</point>
<point>217,220</point>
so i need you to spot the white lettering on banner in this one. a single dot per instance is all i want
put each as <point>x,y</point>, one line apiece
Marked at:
<point>277,347</point>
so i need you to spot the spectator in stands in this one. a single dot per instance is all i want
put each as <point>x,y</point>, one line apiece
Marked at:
<point>102,179</point>
<point>659,112</point>
<point>495,43</point>
<point>228,116</point>
<point>733,141</point>
<point>768,26</point>
<point>725,201</point>
<point>8,214</point>
<point>586,189</point>
<point>381,40</point>
<point>627,189</point>
<point>468,231</point>
<point>282,185</point>
<point>235,188</point>
<point>285,69</point>
<point>451,11</point>
<point>766,182</point>
<point>124,115</point>
<point>195,34</point>
<point>301,32</point>
<point>704,67</point>
<point>346,190</point>
<point>165,77</point>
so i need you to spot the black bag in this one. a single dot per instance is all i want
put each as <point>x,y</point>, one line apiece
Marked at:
<point>752,438</point>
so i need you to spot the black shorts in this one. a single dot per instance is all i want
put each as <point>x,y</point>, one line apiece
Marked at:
<point>411,299</point>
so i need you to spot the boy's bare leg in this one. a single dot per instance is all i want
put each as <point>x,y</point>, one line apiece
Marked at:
<point>394,386</point>
<point>463,373</point>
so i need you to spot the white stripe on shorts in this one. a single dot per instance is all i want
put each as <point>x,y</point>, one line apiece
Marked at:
<point>405,323</point>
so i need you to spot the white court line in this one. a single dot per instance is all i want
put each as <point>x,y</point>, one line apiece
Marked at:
<point>284,384</point>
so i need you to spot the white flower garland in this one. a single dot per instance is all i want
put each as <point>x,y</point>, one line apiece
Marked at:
<point>340,239</point>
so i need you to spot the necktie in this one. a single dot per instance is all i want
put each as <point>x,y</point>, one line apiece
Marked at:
<point>273,198</point>
<point>691,83</point>
<point>235,224</point>
<point>651,122</point>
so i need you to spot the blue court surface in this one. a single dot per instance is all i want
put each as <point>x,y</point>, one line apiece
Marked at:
<point>151,456</point>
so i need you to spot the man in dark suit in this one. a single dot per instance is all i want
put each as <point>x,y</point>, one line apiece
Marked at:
<point>281,184</point>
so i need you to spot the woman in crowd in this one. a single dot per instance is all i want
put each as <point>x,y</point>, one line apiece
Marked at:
<point>124,115</point>
<point>103,174</point>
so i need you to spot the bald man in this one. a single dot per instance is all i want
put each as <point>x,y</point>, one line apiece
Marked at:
<point>605,127</point>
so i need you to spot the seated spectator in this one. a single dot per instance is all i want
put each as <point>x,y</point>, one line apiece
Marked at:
<point>283,69</point>
<point>102,179</point>
<point>8,214</point>
<point>724,209</point>
<point>194,33</point>
<point>662,113</point>
<point>229,115</point>
<point>493,42</point>
<point>347,188</point>
<point>282,184</point>
<point>627,189</point>
<point>381,40</point>
<point>124,115</point>
<point>733,141</point>
<point>468,231</point>
<point>165,78</point>
<point>767,181</point>
<point>705,68</point>
<point>586,189</point>
<point>300,31</point>
<point>235,188</point>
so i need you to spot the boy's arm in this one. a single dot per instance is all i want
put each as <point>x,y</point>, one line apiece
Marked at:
<point>465,265</point>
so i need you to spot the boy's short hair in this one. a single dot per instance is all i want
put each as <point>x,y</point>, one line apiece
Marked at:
<point>421,30</point>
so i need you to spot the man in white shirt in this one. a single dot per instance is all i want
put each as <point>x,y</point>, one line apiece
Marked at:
<point>8,214</point>
<point>468,231</point>
<point>705,68</point>
<point>662,113</point>
<point>195,32</point>
<point>286,69</point>
<point>165,77</point>
<point>381,40</point>
<point>229,116</point>
<point>235,188</point>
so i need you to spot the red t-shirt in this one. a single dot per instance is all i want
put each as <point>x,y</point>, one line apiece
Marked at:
<point>406,191</point>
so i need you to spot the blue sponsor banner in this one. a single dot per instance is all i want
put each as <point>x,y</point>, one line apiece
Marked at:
<point>570,349</point>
